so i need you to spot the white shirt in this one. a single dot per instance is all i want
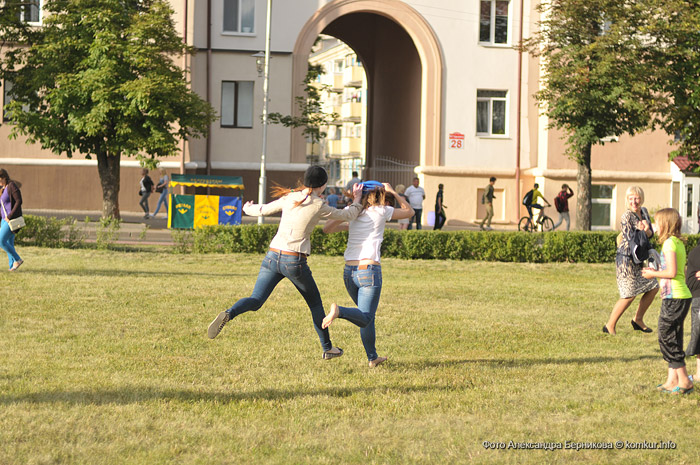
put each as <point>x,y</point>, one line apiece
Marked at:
<point>366,233</point>
<point>415,196</point>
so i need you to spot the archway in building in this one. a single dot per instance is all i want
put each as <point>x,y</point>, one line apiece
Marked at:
<point>403,63</point>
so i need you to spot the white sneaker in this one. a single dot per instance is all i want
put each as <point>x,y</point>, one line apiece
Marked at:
<point>218,324</point>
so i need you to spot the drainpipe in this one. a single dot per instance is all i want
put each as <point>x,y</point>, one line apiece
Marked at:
<point>519,113</point>
<point>208,96</point>
<point>184,66</point>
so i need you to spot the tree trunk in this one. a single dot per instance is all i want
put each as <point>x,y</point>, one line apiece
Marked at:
<point>583,198</point>
<point>108,168</point>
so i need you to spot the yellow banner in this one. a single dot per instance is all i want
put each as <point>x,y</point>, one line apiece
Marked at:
<point>206,210</point>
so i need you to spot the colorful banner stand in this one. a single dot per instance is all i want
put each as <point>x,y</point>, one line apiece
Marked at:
<point>195,211</point>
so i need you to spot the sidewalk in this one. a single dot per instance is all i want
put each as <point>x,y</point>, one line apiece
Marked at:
<point>135,229</point>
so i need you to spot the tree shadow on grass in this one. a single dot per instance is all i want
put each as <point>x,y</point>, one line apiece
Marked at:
<point>521,362</point>
<point>132,273</point>
<point>140,395</point>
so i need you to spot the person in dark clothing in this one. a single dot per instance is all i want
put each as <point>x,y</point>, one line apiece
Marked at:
<point>440,217</point>
<point>561,202</point>
<point>145,189</point>
<point>692,280</point>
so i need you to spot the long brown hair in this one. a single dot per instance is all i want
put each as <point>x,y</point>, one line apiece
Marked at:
<point>280,191</point>
<point>669,223</point>
<point>5,175</point>
<point>373,198</point>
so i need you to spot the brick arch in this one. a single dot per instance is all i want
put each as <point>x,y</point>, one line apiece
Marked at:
<point>428,50</point>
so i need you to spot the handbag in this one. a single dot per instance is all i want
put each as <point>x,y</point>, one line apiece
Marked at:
<point>15,223</point>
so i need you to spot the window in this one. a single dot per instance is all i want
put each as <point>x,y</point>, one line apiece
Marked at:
<point>7,98</point>
<point>239,16</point>
<point>601,206</point>
<point>237,104</point>
<point>30,11</point>
<point>493,22</point>
<point>491,112</point>
<point>338,66</point>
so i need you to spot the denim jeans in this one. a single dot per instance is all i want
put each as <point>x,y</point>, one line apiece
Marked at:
<point>418,213</point>
<point>162,200</point>
<point>563,216</point>
<point>7,242</point>
<point>364,287</point>
<point>144,201</point>
<point>275,267</point>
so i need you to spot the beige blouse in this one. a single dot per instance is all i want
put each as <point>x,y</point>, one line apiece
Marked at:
<point>297,223</point>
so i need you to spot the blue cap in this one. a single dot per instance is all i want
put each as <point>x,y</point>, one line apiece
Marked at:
<point>368,186</point>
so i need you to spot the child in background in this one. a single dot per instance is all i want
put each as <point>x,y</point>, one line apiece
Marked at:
<point>676,299</point>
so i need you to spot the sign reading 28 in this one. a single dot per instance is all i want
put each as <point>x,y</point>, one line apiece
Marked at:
<point>456,140</point>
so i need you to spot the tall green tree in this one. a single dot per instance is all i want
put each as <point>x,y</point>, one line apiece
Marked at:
<point>99,79</point>
<point>596,58</point>
<point>676,27</point>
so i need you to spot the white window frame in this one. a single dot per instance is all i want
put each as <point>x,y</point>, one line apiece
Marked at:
<point>492,28</point>
<point>600,201</point>
<point>490,101</point>
<point>7,98</point>
<point>235,104</point>
<point>239,27</point>
<point>40,7</point>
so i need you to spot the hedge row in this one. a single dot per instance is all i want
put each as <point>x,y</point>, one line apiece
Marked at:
<point>557,246</point>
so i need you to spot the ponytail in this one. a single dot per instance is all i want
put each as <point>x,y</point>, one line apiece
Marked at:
<point>280,191</point>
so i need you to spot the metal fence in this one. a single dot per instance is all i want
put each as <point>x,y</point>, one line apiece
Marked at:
<point>391,170</point>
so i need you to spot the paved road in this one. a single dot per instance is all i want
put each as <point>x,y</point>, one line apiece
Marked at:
<point>137,230</point>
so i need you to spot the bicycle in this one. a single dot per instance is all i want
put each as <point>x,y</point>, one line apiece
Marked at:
<point>528,224</point>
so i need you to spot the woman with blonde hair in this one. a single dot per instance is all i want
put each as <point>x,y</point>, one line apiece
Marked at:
<point>630,281</point>
<point>302,208</point>
<point>162,189</point>
<point>363,271</point>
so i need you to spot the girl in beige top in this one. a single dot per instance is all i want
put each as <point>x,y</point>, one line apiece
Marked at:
<point>301,209</point>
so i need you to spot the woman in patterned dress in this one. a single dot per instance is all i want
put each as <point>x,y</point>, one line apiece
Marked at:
<point>629,275</point>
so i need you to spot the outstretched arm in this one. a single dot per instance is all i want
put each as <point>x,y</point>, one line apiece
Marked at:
<point>332,226</point>
<point>405,211</point>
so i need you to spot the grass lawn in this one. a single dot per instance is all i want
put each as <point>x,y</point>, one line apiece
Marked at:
<point>105,360</point>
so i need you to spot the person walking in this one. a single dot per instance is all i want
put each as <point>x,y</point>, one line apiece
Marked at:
<point>302,208</point>
<point>355,180</point>
<point>487,201</point>
<point>561,203</point>
<point>416,195</point>
<point>630,282</point>
<point>440,217</point>
<point>11,200</point>
<point>675,300</point>
<point>145,189</point>
<point>363,271</point>
<point>162,189</point>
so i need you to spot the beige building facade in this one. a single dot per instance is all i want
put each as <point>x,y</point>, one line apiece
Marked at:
<point>446,93</point>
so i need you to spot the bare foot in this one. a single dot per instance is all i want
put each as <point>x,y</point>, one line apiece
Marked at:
<point>334,313</point>
<point>377,361</point>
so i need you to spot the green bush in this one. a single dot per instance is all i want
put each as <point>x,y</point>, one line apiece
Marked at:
<point>515,246</point>
<point>50,232</point>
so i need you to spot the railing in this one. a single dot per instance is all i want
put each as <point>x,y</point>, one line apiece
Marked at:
<point>391,170</point>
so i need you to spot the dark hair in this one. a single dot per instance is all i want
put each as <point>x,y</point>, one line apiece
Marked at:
<point>6,176</point>
<point>564,186</point>
<point>354,174</point>
<point>492,178</point>
<point>536,185</point>
<point>440,186</point>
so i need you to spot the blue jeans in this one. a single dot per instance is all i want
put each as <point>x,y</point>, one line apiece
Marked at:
<point>418,213</point>
<point>162,200</point>
<point>7,242</point>
<point>275,267</point>
<point>144,201</point>
<point>364,287</point>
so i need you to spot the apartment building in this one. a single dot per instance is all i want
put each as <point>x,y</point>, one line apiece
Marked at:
<point>446,93</point>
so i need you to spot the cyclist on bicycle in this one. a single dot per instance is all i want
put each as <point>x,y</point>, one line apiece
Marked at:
<point>530,202</point>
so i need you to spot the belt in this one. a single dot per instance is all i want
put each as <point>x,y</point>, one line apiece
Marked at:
<point>287,252</point>
<point>366,266</point>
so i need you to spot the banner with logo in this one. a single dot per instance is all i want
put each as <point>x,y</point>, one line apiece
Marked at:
<point>230,209</point>
<point>195,211</point>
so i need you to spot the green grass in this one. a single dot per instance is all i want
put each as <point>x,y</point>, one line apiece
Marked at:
<point>104,360</point>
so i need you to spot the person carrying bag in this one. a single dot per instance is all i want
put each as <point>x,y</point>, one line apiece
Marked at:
<point>12,220</point>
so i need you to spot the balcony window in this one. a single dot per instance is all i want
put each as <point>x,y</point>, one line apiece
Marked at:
<point>237,104</point>
<point>239,16</point>
<point>491,112</point>
<point>493,22</point>
<point>30,11</point>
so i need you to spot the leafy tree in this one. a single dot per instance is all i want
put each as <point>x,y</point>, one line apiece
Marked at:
<point>596,56</point>
<point>677,73</point>
<point>311,117</point>
<point>98,79</point>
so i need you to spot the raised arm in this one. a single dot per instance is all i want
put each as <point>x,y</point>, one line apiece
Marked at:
<point>346,214</point>
<point>254,209</point>
<point>405,211</point>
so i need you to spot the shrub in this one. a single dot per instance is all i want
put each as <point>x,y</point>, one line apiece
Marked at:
<point>50,232</point>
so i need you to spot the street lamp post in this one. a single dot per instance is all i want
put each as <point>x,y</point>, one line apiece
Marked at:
<point>262,188</point>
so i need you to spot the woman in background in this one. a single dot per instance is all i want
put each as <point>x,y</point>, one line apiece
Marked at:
<point>11,199</point>
<point>162,189</point>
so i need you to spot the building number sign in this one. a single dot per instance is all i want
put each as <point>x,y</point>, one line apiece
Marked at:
<point>456,140</point>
